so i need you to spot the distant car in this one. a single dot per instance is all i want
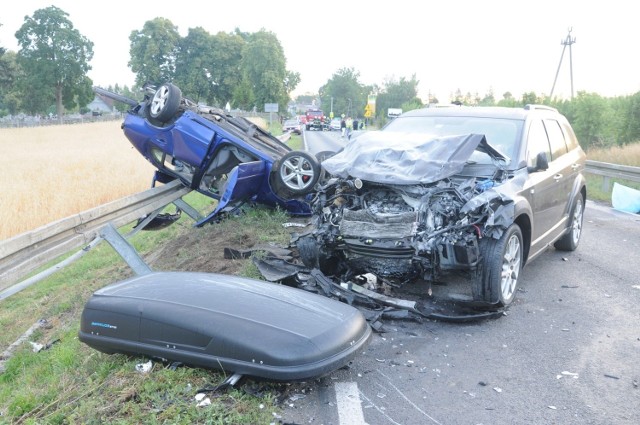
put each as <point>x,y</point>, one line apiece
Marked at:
<point>227,158</point>
<point>334,125</point>
<point>293,126</point>
<point>481,191</point>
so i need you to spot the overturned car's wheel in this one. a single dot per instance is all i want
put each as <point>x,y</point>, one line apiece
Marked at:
<point>496,279</point>
<point>569,242</point>
<point>165,102</point>
<point>298,172</point>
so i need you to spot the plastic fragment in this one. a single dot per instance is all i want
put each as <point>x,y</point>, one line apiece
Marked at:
<point>36,347</point>
<point>204,402</point>
<point>296,397</point>
<point>567,373</point>
<point>144,367</point>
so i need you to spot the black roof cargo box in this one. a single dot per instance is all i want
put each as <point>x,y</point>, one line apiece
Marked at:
<point>216,321</point>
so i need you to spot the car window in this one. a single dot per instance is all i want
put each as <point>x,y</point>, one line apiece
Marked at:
<point>556,138</point>
<point>537,142</point>
<point>569,136</point>
<point>501,133</point>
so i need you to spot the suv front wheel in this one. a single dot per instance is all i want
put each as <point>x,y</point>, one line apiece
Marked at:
<point>496,279</point>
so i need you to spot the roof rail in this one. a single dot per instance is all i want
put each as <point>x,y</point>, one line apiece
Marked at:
<point>532,106</point>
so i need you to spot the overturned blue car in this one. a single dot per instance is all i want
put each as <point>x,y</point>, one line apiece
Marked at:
<point>227,158</point>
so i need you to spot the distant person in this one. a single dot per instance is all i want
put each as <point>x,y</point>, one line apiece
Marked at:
<point>343,127</point>
<point>349,126</point>
<point>355,124</point>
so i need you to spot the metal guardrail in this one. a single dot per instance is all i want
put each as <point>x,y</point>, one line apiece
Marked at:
<point>609,171</point>
<point>26,252</point>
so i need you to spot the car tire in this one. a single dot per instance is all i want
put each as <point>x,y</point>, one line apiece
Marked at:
<point>496,278</point>
<point>571,239</point>
<point>297,172</point>
<point>165,102</point>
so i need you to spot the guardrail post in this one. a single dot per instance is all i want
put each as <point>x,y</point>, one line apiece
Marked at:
<point>606,184</point>
<point>126,251</point>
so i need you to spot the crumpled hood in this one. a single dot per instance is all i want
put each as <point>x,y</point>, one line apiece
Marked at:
<point>406,158</point>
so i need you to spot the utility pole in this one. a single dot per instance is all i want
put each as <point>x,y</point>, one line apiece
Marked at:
<point>568,41</point>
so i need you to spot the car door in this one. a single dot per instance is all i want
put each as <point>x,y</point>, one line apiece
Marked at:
<point>542,187</point>
<point>564,166</point>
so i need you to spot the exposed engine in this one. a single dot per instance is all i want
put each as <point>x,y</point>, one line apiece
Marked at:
<point>398,231</point>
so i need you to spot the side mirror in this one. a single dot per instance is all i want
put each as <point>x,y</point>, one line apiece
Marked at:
<point>542,163</point>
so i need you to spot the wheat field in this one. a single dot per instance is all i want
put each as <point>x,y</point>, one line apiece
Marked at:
<point>52,172</point>
<point>623,155</point>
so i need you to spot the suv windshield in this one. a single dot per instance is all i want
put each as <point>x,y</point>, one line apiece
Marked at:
<point>502,134</point>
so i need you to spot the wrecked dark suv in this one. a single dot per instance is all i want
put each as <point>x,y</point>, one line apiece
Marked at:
<point>479,190</point>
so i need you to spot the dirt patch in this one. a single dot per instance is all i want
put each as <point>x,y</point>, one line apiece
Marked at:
<point>202,250</point>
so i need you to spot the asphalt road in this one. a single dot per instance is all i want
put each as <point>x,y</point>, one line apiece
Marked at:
<point>567,351</point>
<point>319,141</point>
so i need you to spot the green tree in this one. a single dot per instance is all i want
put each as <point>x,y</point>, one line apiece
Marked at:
<point>153,51</point>
<point>530,98</point>
<point>488,99</point>
<point>243,96</point>
<point>349,95</point>
<point>193,65</point>
<point>396,93</point>
<point>10,74</point>
<point>226,70</point>
<point>508,100</point>
<point>629,125</point>
<point>589,117</point>
<point>55,58</point>
<point>264,70</point>
<point>412,104</point>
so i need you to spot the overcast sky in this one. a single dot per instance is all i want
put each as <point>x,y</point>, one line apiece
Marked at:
<point>471,45</point>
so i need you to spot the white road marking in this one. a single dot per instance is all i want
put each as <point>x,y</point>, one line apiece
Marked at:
<point>349,404</point>
<point>379,409</point>
<point>409,401</point>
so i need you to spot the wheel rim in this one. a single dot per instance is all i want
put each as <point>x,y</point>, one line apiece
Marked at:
<point>159,100</point>
<point>297,173</point>
<point>510,268</point>
<point>576,225</point>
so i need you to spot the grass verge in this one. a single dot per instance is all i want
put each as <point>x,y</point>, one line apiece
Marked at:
<point>72,383</point>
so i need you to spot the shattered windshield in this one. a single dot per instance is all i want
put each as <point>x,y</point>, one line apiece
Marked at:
<point>502,134</point>
<point>406,158</point>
